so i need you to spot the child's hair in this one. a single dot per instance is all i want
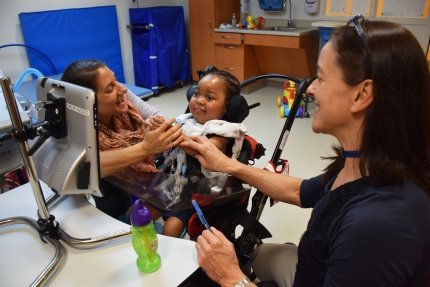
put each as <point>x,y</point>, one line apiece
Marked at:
<point>232,84</point>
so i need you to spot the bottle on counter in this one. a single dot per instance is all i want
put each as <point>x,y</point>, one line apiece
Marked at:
<point>233,21</point>
<point>144,238</point>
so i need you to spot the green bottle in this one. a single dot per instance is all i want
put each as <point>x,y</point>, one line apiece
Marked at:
<point>144,238</point>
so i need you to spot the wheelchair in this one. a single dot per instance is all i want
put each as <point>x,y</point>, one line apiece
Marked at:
<point>234,213</point>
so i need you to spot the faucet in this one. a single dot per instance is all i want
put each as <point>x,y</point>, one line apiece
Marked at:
<point>290,23</point>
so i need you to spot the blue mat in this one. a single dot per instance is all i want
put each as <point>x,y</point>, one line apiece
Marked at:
<point>71,34</point>
<point>68,35</point>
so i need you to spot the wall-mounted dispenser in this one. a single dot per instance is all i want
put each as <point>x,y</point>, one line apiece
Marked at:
<point>312,6</point>
<point>272,5</point>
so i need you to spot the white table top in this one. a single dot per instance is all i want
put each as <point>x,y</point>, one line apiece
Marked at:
<point>24,256</point>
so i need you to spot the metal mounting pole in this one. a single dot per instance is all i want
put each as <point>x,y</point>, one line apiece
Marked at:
<point>23,145</point>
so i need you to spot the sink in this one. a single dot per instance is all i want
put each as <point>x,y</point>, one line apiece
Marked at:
<point>282,28</point>
<point>288,29</point>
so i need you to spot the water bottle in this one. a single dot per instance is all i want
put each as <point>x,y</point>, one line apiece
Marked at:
<point>144,238</point>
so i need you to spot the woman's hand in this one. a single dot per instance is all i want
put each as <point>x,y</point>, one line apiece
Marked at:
<point>217,257</point>
<point>188,151</point>
<point>162,138</point>
<point>155,121</point>
<point>154,142</point>
<point>207,154</point>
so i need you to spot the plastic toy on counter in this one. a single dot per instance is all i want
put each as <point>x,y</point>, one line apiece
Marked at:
<point>251,22</point>
<point>255,23</point>
<point>260,22</point>
<point>284,103</point>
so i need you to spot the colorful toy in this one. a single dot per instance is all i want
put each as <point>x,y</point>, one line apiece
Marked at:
<point>255,23</point>
<point>251,22</point>
<point>284,103</point>
<point>260,22</point>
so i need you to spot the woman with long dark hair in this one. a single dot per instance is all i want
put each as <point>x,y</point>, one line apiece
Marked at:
<point>370,224</point>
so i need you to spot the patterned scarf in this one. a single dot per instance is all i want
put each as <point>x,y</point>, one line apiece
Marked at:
<point>128,129</point>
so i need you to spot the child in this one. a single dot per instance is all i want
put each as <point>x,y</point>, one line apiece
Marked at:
<point>208,106</point>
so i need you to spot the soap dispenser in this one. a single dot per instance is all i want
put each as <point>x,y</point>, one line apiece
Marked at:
<point>233,20</point>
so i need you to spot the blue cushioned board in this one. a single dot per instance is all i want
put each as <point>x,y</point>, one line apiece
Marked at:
<point>68,35</point>
<point>71,34</point>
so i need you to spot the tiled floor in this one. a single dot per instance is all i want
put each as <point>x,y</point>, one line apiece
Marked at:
<point>303,149</point>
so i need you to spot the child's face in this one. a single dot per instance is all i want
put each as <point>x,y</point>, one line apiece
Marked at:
<point>209,99</point>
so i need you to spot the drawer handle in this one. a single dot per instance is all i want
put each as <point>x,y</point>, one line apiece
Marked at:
<point>229,68</point>
<point>226,37</point>
<point>229,46</point>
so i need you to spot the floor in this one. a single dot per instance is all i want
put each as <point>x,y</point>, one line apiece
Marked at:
<point>303,150</point>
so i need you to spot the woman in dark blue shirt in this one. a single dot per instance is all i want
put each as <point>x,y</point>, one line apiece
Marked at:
<point>370,224</point>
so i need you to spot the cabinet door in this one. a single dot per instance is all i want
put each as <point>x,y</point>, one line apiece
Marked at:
<point>229,54</point>
<point>236,71</point>
<point>202,24</point>
<point>227,38</point>
<point>205,16</point>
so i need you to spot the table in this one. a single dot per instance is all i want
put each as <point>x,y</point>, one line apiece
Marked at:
<point>23,256</point>
<point>174,192</point>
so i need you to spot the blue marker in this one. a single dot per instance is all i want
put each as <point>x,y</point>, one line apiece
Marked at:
<point>200,214</point>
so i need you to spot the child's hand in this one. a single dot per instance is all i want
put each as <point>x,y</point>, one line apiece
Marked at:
<point>154,122</point>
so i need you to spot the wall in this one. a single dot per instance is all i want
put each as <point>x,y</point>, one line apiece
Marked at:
<point>14,60</point>
<point>419,27</point>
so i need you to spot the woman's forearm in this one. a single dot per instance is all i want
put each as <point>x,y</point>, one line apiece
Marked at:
<point>155,142</point>
<point>277,186</point>
<point>112,161</point>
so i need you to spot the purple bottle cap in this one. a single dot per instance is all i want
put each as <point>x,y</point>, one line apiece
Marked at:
<point>140,214</point>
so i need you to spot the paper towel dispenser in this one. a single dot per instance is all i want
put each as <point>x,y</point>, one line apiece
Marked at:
<point>272,5</point>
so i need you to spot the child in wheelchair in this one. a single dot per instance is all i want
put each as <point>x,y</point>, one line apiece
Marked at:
<point>216,110</point>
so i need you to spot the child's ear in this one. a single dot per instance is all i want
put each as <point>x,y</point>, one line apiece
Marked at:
<point>364,97</point>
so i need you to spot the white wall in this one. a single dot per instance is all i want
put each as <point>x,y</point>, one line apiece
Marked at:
<point>13,60</point>
<point>419,27</point>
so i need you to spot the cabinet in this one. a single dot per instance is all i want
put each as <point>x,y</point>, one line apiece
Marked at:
<point>229,53</point>
<point>205,16</point>
<point>246,53</point>
<point>296,56</point>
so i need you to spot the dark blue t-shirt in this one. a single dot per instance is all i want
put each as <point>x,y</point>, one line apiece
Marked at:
<point>362,235</point>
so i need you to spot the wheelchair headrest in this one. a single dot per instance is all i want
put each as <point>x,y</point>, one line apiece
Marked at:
<point>237,108</point>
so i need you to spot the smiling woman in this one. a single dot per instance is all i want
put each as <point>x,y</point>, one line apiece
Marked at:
<point>131,131</point>
<point>372,202</point>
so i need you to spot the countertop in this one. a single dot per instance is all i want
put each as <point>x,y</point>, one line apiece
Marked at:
<point>266,31</point>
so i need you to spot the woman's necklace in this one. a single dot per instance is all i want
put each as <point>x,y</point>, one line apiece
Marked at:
<point>351,153</point>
